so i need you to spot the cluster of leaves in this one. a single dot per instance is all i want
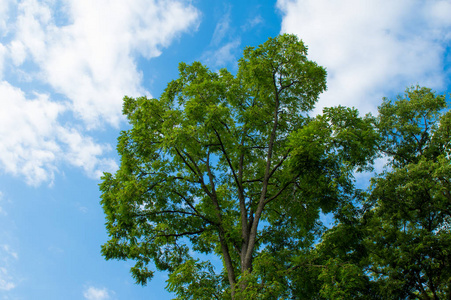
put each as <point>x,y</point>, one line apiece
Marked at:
<point>234,166</point>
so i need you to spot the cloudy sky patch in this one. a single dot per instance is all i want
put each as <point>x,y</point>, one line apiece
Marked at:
<point>372,48</point>
<point>93,293</point>
<point>83,54</point>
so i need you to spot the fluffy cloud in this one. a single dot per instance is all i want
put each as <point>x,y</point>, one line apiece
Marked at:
<point>372,48</point>
<point>26,127</point>
<point>33,141</point>
<point>83,55</point>
<point>92,293</point>
<point>91,57</point>
<point>85,153</point>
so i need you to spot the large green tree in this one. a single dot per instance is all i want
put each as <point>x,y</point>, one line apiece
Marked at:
<point>233,166</point>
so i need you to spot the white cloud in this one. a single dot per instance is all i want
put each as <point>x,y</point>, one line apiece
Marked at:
<point>372,48</point>
<point>33,142</point>
<point>4,15</point>
<point>92,293</point>
<point>17,52</point>
<point>26,126</point>
<point>85,52</point>
<point>85,153</point>
<point>92,59</point>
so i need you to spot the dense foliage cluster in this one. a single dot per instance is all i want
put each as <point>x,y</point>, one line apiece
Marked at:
<point>233,166</point>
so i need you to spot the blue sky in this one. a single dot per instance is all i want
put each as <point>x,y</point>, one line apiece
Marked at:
<point>65,66</point>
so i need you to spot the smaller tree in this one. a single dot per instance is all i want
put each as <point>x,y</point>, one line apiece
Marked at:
<point>396,245</point>
<point>410,236</point>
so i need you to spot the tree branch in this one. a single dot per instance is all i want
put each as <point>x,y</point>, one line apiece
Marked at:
<point>194,208</point>
<point>198,173</point>
<point>280,163</point>
<point>240,188</point>
<point>278,193</point>
<point>181,234</point>
<point>186,162</point>
<point>261,202</point>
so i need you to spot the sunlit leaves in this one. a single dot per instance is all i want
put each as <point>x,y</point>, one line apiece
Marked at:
<point>233,166</point>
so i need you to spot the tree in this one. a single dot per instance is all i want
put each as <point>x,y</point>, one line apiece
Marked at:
<point>232,166</point>
<point>397,244</point>
<point>411,240</point>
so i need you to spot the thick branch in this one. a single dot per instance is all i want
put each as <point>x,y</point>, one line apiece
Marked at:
<point>254,180</point>
<point>213,197</point>
<point>194,209</point>
<point>238,183</point>
<point>261,203</point>
<point>197,172</point>
<point>282,87</point>
<point>279,163</point>
<point>278,193</point>
<point>222,234</point>
<point>149,213</point>
<point>181,234</point>
<point>186,162</point>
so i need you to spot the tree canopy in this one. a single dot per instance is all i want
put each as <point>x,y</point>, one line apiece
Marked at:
<point>233,166</point>
<point>397,244</point>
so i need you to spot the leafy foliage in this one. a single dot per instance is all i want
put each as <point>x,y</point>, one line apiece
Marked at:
<point>412,201</point>
<point>399,239</point>
<point>232,166</point>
